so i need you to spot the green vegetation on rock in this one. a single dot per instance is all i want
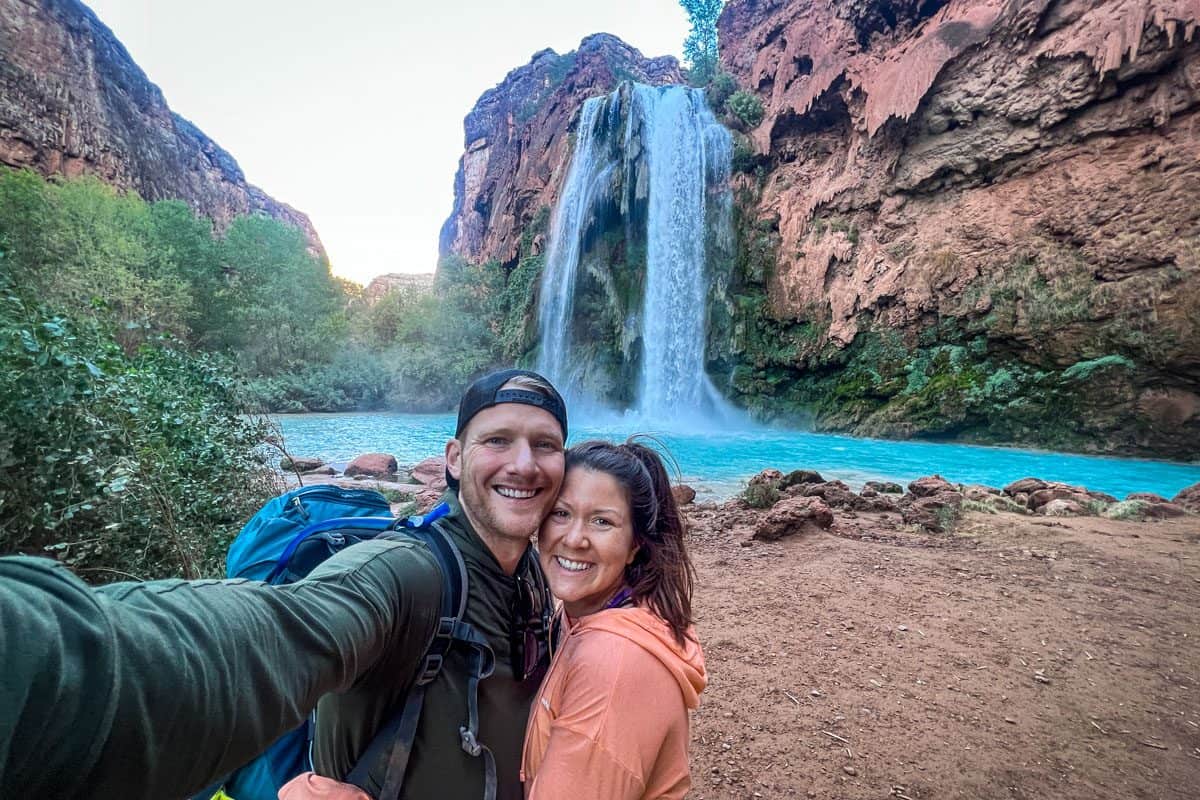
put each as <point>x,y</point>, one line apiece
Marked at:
<point>746,107</point>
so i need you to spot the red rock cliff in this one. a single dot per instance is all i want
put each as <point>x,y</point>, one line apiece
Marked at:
<point>1026,172</point>
<point>518,141</point>
<point>72,101</point>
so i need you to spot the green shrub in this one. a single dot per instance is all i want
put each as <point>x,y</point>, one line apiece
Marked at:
<point>980,506</point>
<point>719,91</point>
<point>744,159</point>
<point>1126,509</point>
<point>120,465</point>
<point>746,107</point>
<point>760,495</point>
<point>947,517</point>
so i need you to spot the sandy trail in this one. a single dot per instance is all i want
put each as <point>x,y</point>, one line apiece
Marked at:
<point>1019,657</point>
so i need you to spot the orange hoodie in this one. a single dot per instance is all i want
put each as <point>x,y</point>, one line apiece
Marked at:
<point>611,719</point>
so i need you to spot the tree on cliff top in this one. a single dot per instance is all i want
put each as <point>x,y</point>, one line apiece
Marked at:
<point>700,46</point>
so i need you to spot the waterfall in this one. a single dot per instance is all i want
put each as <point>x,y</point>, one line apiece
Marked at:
<point>682,138</point>
<point>626,281</point>
<point>562,258</point>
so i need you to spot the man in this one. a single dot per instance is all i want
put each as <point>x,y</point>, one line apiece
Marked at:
<point>504,467</point>
<point>153,690</point>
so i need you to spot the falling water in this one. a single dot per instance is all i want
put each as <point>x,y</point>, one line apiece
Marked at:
<point>684,144</point>
<point>657,157</point>
<point>587,172</point>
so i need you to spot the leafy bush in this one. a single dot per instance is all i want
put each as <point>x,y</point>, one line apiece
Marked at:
<point>81,244</point>
<point>1126,509</point>
<point>947,518</point>
<point>746,107</point>
<point>760,495</point>
<point>979,506</point>
<point>285,308</point>
<point>120,465</point>
<point>719,91</point>
<point>355,379</point>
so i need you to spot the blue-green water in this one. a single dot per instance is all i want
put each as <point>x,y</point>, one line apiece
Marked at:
<point>717,462</point>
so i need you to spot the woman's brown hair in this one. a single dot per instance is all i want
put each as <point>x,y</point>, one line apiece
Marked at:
<point>661,575</point>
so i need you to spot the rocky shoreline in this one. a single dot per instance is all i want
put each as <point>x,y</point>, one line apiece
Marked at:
<point>781,505</point>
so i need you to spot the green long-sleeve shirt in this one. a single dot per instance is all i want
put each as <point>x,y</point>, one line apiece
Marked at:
<point>152,690</point>
<point>438,767</point>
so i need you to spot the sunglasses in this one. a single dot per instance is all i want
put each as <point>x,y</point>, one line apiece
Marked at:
<point>529,630</point>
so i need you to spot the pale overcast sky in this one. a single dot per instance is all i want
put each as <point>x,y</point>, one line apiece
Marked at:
<point>352,111</point>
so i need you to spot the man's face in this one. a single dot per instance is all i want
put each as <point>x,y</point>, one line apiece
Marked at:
<point>509,464</point>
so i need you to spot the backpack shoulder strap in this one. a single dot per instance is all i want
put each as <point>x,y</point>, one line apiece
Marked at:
<point>392,744</point>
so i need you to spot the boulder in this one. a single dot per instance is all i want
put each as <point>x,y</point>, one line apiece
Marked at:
<point>930,486</point>
<point>792,516</point>
<point>1063,507</point>
<point>1189,498</point>
<point>884,487</point>
<point>836,495</point>
<point>683,494</point>
<point>372,465</point>
<point>1041,497</point>
<point>431,472</point>
<point>798,476</point>
<point>1101,496</point>
<point>1024,486</point>
<point>768,477</point>
<point>937,512</point>
<point>322,470</point>
<point>426,499</point>
<point>980,494</point>
<point>1164,510</point>
<point>1147,497</point>
<point>299,463</point>
<point>879,502</point>
<point>1063,491</point>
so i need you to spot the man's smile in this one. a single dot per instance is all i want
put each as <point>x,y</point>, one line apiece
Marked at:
<point>514,493</point>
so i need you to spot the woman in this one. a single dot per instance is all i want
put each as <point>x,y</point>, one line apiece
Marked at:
<point>611,719</point>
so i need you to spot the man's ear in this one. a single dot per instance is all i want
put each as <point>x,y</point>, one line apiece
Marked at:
<point>454,458</point>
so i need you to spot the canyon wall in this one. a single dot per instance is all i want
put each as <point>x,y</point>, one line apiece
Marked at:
<point>519,138</point>
<point>969,219</point>
<point>73,102</point>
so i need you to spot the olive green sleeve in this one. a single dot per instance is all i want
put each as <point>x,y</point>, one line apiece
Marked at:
<point>152,690</point>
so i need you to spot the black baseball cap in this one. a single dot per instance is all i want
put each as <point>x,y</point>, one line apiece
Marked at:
<point>486,392</point>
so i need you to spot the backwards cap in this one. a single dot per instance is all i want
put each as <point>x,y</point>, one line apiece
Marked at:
<point>486,392</point>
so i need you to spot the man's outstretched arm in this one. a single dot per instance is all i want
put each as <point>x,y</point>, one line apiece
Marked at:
<point>153,690</point>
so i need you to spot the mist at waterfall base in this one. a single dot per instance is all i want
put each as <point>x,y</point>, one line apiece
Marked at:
<point>717,463</point>
<point>644,211</point>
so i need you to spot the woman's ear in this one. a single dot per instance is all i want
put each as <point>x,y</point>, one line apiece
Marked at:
<point>633,554</point>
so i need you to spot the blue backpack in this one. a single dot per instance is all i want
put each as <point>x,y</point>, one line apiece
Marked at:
<point>285,541</point>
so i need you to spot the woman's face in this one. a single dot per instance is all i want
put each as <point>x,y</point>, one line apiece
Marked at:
<point>587,541</point>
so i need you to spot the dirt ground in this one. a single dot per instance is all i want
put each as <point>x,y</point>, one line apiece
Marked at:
<point>1019,657</point>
